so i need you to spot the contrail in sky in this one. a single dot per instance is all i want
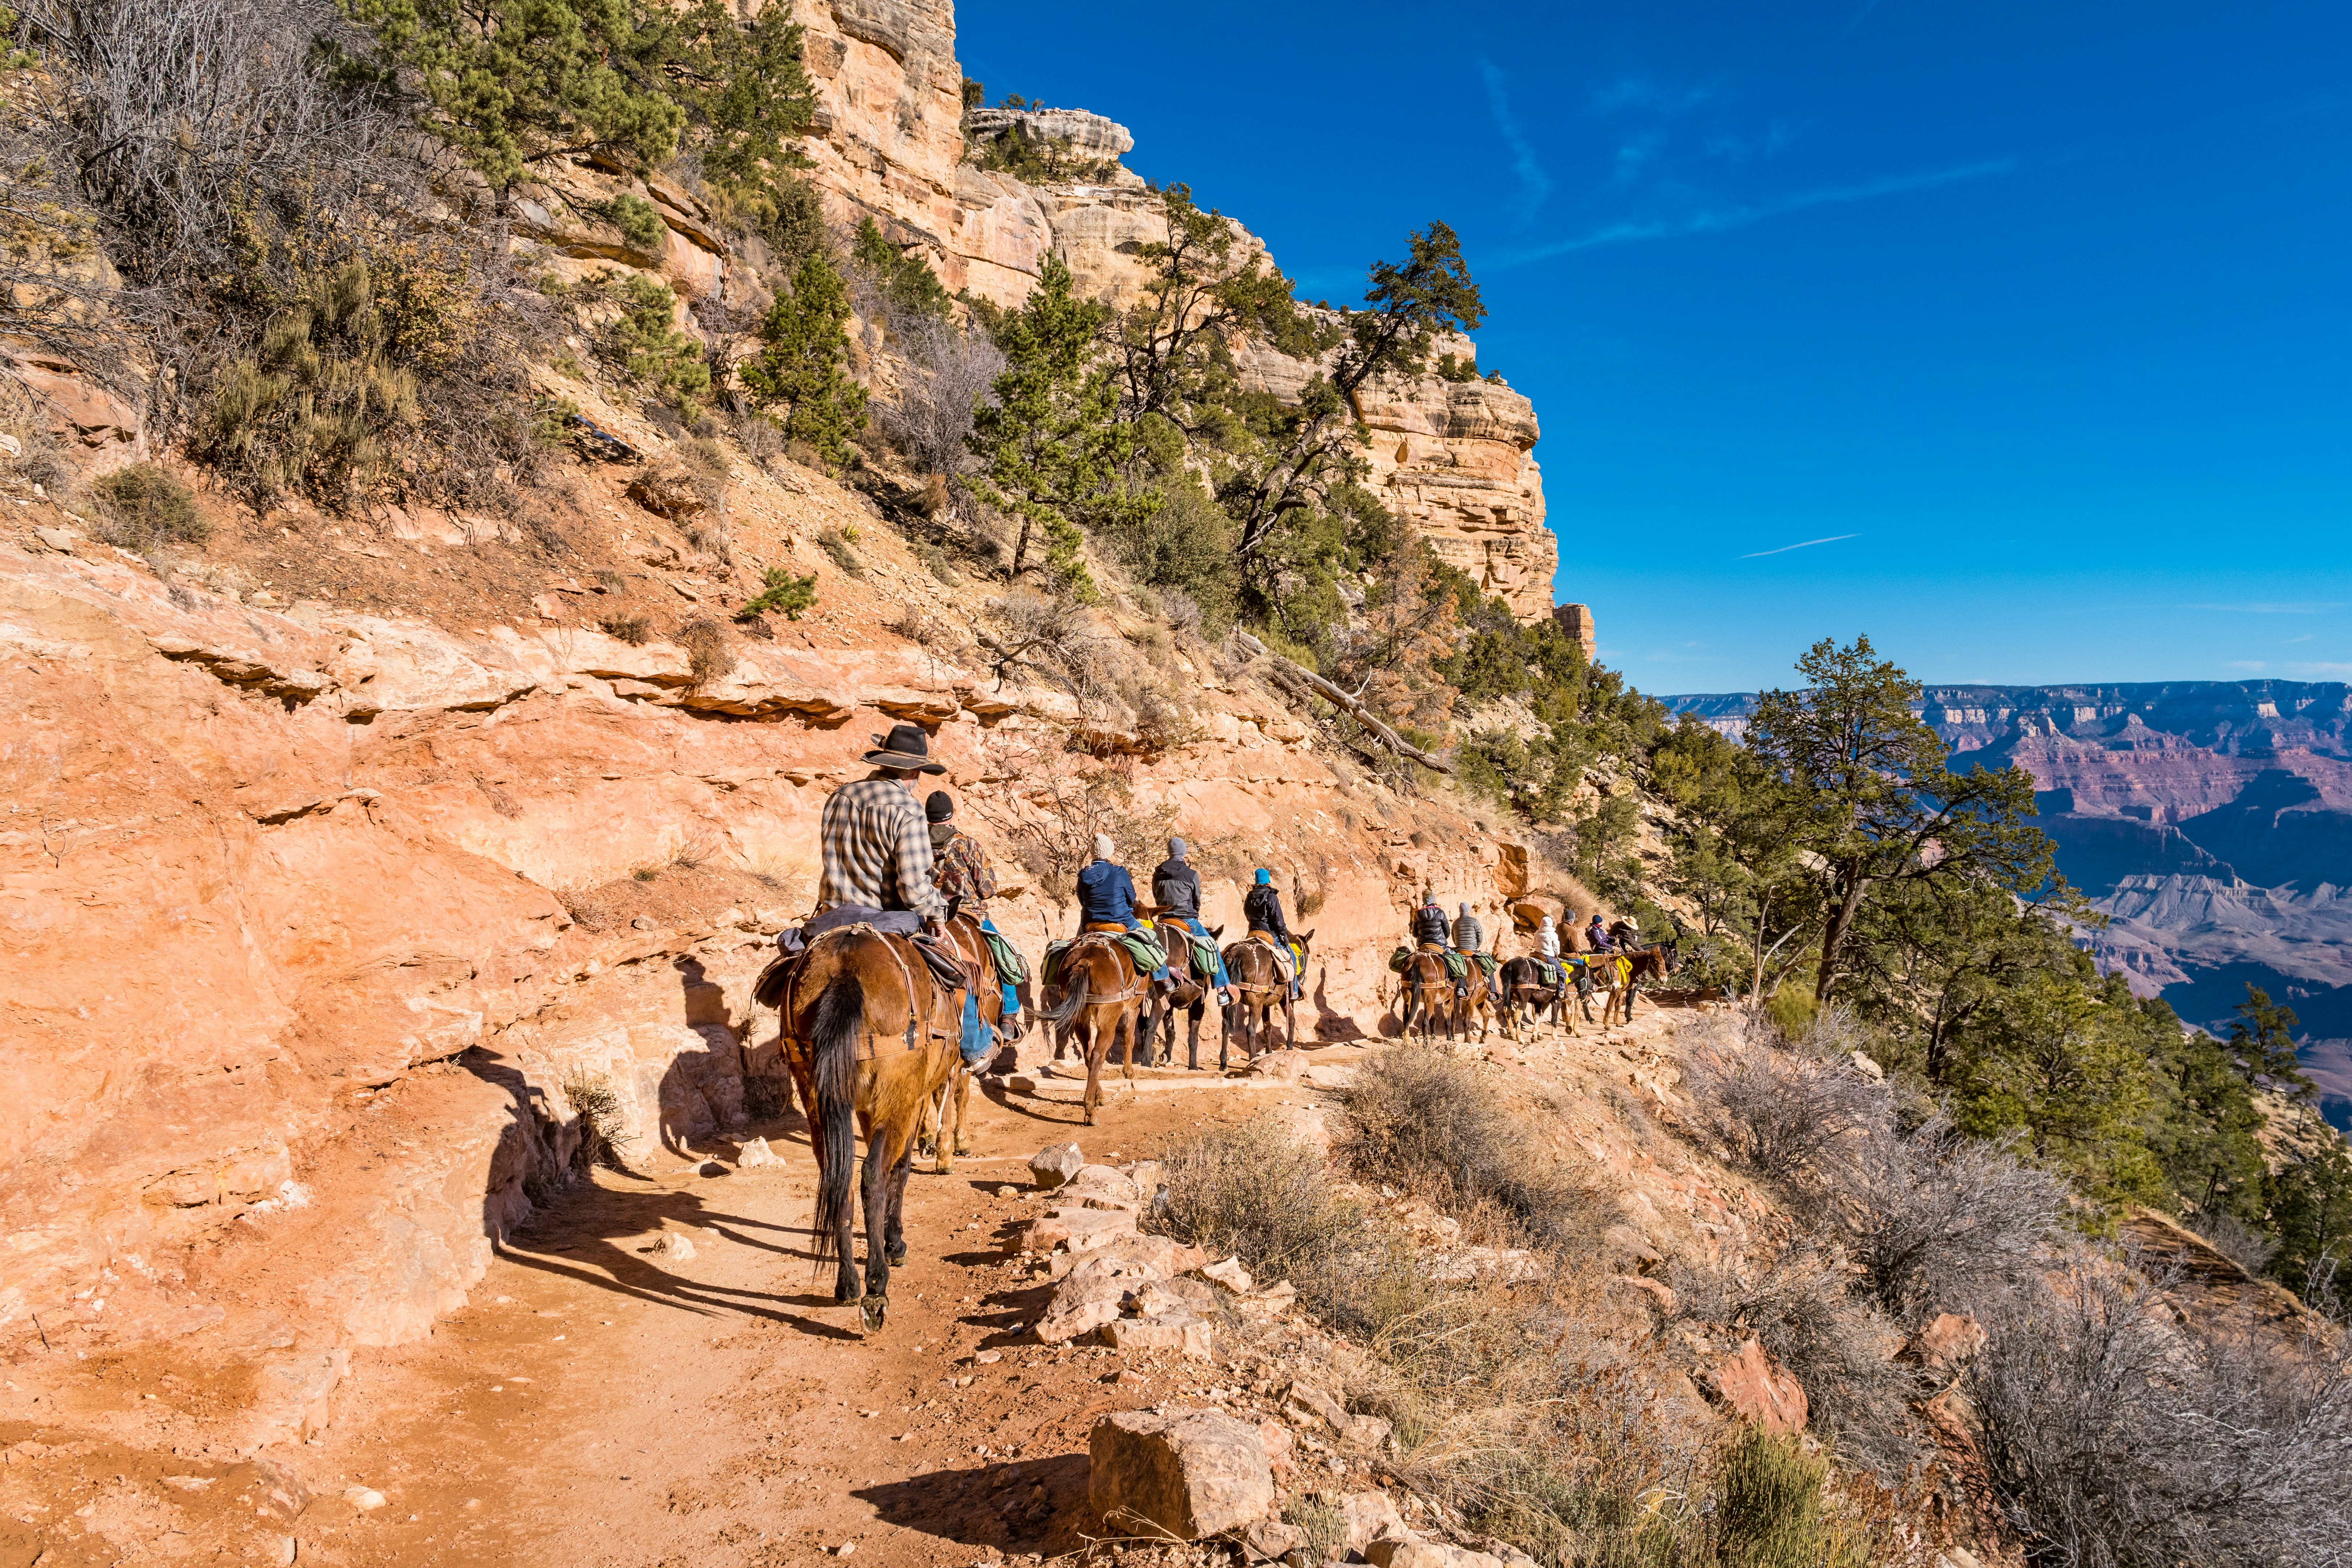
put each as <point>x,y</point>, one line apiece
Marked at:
<point>1784,549</point>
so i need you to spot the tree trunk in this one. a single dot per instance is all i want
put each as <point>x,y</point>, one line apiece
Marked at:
<point>1833,937</point>
<point>1021,547</point>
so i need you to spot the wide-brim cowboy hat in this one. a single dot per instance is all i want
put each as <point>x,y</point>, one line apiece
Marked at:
<point>906,750</point>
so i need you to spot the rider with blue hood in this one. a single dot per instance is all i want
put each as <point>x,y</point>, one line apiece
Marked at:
<point>1261,909</point>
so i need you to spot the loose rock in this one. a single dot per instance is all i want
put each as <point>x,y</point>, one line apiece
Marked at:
<point>1056,1163</point>
<point>756,1154</point>
<point>1191,1473</point>
<point>1762,1391</point>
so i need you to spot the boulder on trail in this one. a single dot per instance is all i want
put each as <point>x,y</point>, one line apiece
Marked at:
<point>1080,1229</point>
<point>1056,1163</point>
<point>1270,1539</point>
<point>1283,1066</point>
<point>756,1154</point>
<point>1181,1331</point>
<point>1100,1187</point>
<point>1154,1297</point>
<point>1080,1307</point>
<point>1231,1275</point>
<point>1372,1517</point>
<point>1189,1473</point>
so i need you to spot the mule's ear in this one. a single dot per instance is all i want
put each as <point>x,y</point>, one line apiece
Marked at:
<point>1309,936</point>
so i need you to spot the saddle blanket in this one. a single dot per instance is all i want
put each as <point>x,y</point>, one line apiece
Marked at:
<point>1010,968</point>
<point>1287,956</point>
<point>1147,953</point>
<point>1205,951</point>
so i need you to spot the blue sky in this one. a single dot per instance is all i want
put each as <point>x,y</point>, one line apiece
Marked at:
<point>2039,317</point>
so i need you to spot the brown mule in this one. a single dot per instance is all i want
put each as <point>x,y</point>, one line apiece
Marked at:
<point>1525,997</point>
<point>1427,992</point>
<point>1642,963</point>
<point>1258,989</point>
<point>1101,999</point>
<point>1476,1003</point>
<point>943,1135</point>
<point>1191,993</point>
<point>869,1035</point>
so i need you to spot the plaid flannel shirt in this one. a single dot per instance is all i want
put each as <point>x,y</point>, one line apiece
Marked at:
<point>877,849</point>
<point>961,872</point>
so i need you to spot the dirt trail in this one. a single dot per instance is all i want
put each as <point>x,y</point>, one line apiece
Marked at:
<point>612,1401</point>
<point>607,1403</point>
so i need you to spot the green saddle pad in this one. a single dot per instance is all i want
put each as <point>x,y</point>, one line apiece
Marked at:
<point>1010,968</point>
<point>1401,959</point>
<point>1456,964</point>
<point>1148,954</point>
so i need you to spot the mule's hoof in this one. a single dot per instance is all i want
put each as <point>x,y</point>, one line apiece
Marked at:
<point>897,1255</point>
<point>849,1293</point>
<point>871,1311</point>
<point>943,1166</point>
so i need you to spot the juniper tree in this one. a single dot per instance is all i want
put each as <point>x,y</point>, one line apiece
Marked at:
<point>804,345</point>
<point>1053,445</point>
<point>1879,802</point>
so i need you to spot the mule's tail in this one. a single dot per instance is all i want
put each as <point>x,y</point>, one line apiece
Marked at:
<point>833,1042</point>
<point>1072,1003</point>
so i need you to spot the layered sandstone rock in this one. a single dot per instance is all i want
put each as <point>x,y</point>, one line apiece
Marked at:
<point>1453,458</point>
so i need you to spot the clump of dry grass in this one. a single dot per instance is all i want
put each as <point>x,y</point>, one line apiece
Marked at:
<point>1427,1120</point>
<point>708,653</point>
<point>597,1104</point>
<point>634,629</point>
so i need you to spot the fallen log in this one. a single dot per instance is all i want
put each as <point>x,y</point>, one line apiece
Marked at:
<point>1299,680</point>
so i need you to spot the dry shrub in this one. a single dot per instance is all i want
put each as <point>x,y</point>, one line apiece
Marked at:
<point>1799,1308</point>
<point>594,1099</point>
<point>2118,1438</point>
<point>948,372</point>
<point>836,545</point>
<point>2234,1239</point>
<point>636,630</point>
<point>1324,1522</point>
<point>1936,1220</point>
<point>141,506</point>
<point>710,655</point>
<point>1253,1191</point>
<point>1428,1121</point>
<point>760,440</point>
<point>1782,1114</point>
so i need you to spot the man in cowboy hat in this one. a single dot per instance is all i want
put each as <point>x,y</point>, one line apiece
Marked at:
<point>877,847</point>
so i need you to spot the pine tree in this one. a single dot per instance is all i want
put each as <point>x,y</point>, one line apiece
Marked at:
<point>2263,1040</point>
<point>798,368</point>
<point>1053,443</point>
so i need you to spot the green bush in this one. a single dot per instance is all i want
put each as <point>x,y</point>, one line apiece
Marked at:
<point>639,221</point>
<point>143,505</point>
<point>649,348</point>
<point>792,596</point>
<point>908,282</point>
<point>1768,1510</point>
<point>800,368</point>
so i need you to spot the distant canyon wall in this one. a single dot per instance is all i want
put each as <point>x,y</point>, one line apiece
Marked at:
<point>2211,821</point>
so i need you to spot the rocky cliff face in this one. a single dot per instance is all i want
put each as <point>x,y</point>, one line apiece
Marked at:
<point>331,906</point>
<point>1453,458</point>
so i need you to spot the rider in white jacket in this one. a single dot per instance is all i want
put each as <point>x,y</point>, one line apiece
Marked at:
<point>1547,941</point>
